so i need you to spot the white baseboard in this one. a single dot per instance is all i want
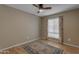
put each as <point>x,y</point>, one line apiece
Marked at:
<point>72,45</point>
<point>18,44</point>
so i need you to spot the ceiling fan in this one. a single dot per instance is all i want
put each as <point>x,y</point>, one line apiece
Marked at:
<point>41,7</point>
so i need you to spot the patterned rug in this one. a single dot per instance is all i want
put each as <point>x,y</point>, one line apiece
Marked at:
<point>37,47</point>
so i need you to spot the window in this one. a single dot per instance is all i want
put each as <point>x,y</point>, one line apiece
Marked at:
<point>53,27</point>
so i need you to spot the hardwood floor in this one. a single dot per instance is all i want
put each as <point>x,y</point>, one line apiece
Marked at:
<point>67,49</point>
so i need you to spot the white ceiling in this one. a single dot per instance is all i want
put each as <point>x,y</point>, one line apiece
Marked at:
<point>56,8</point>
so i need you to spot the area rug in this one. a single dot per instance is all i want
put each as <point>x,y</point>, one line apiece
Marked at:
<point>37,47</point>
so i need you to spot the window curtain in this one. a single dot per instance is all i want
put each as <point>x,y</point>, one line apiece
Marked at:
<point>61,30</point>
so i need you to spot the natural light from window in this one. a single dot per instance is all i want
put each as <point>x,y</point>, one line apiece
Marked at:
<point>53,27</point>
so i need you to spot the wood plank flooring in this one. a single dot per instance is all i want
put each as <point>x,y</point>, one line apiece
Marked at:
<point>67,49</point>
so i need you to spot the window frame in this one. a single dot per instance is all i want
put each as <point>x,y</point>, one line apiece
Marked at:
<point>58,30</point>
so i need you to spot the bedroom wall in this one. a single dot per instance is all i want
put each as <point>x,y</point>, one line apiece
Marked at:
<point>70,25</point>
<point>17,26</point>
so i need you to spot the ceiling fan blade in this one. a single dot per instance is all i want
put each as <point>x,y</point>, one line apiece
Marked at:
<point>47,8</point>
<point>35,5</point>
<point>40,7</point>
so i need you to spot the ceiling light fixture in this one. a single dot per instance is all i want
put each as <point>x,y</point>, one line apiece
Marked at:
<point>41,10</point>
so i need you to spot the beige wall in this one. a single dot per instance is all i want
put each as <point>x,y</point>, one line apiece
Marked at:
<point>17,26</point>
<point>70,25</point>
<point>44,27</point>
